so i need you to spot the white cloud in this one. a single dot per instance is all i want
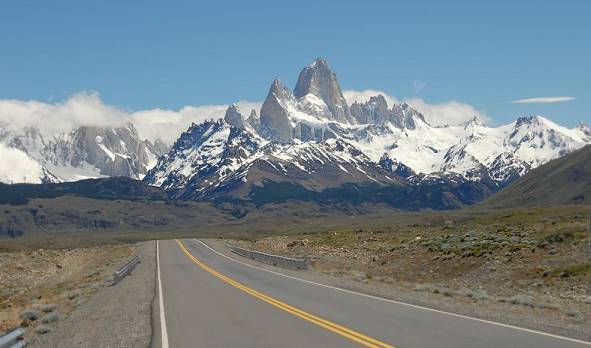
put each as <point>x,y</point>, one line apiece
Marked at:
<point>80,109</point>
<point>542,100</point>
<point>18,167</point>
<point>363,96</point>
<point>87,109</point>
<point>448,113</point>
<point>441,114</point>
<point>168,124</point>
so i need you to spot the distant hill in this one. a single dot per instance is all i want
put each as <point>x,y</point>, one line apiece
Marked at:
<point>566,180</point>
<point>104,188</point>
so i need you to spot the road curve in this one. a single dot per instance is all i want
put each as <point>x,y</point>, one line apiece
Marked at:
<point>210,300</point>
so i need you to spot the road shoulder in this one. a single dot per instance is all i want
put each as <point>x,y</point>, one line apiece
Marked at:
<point>116,316</point>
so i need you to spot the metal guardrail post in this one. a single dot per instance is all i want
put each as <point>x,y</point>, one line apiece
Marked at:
<point>13,339</point>
<point>275,260</point>
<point>124,270</point>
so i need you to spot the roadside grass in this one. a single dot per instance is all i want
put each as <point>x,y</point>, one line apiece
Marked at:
<point>575,270</point>
<point>533,258</point>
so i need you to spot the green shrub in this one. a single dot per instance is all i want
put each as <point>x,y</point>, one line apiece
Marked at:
<point>50,318</point>
<point>522,299</point>
<point>48,307</point>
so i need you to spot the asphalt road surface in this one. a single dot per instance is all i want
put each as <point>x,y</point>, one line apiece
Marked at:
<point>210,300</point>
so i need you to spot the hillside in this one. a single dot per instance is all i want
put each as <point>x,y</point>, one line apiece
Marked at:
<point>104,188</point>
<point>566,180</point>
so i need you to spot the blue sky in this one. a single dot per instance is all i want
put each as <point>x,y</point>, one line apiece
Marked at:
<point>142,55</point>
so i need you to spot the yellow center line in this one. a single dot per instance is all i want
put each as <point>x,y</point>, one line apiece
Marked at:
<point>341,330</point>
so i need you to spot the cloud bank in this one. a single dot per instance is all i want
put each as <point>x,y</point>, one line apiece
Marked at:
<point>87,109</point>
<point>448,113</point>
<point>542,100</point>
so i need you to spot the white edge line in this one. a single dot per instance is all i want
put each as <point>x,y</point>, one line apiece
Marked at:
<point>163,331</point>
<point>401,303</point>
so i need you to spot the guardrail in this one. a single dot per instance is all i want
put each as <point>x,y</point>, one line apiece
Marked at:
<point>124,270</point>
<point>13,339</point>
<point>279,261</point>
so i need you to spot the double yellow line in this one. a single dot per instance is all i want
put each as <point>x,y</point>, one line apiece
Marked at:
<point>341,330</point>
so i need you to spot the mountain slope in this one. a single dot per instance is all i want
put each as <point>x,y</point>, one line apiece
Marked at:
<point>566,180</point>
<point>104,188</point>
<point>216,158</point>
<point>219,162</point>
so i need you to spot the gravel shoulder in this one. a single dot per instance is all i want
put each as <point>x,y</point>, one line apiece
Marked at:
<point>543,319</point>
<point>115,316</point>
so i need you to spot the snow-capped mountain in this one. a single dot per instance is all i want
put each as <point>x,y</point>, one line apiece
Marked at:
<point>307,143</point>
<point>215,157</point>
<point>312,139</point>
<point>84,152</point>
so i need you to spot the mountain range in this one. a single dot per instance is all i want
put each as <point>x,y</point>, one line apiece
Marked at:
<point>81,153</point>
<point>307,144</point>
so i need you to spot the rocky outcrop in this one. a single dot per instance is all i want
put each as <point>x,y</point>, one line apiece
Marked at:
<point>158,148</point>
<point>274,114</point>
<point>319,80</point>
<point>234,118</point>
<point>114,151</point>
<point>253,120</point>
<point>374,111</point>
<point>585,129</point>
<point>395,166</point>
<point>305,114</point>
<point>506,168</point>
<point>405,116</point>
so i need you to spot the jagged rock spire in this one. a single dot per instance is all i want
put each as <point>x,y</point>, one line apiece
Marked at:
<point>374,111</point>
<point>274,116</point>
<point>319,80</point>
<point>233,116</point>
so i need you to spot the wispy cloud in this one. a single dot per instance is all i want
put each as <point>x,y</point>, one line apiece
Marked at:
<point>418,86</point>
<point>542,100</point>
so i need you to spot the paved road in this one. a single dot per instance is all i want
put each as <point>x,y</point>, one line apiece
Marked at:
<point>210,300</point>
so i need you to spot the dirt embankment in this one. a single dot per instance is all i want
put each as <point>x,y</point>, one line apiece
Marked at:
<point>39,288</point>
